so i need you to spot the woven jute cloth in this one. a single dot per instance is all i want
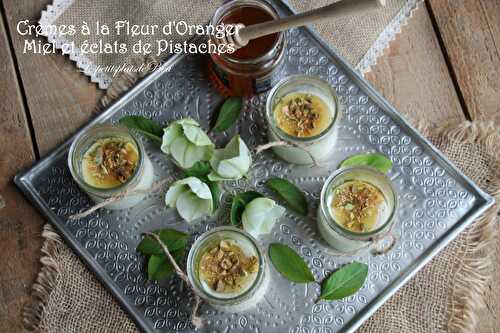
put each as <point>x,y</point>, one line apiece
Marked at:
<point>444,296</point>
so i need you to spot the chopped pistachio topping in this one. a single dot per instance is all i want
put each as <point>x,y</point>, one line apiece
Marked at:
<point>225,268</point>
<point>110,162</point>
<point>299,110</point>
<point>356,205</point>
<point>302,115</point>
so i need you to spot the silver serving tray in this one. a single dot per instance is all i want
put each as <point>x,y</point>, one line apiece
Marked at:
<point>436,200</point>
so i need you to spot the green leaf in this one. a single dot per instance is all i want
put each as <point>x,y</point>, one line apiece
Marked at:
<point>374,160</point>
<point>215,190</point>
<point>159,267</point>
<point>289,263</point>
<point>143,125</point>
<point>173,239</point>
<point>228,114</point>
<point>239,203</point>
<point>199,169</point>
<point>295,198</point>
<point>344,282</point>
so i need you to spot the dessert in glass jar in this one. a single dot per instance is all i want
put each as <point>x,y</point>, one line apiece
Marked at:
<point>227,268</point>
<point>108,160</point>
<point>303,111</point>
<point>357,206</point>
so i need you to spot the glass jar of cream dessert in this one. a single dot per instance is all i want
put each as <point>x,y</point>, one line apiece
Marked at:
<point>107,160</point>
<point>357,207</point>
<point>303,111</point>
<point>253,68</point>
<point>227,269</point>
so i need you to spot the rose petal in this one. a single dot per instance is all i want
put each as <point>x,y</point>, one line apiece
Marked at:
<point>231,162</point>
<point>191,197</point>
<point>172,132</point>
<point>173,193</point>
<point>187,154</point>
<point>191,208</point>
<point>198,187</point>
<point>196,135</point>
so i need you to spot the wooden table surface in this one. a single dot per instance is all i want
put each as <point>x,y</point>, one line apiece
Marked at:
<point>445,64</point>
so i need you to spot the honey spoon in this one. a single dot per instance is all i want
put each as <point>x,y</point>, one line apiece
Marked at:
<point>240,34</point>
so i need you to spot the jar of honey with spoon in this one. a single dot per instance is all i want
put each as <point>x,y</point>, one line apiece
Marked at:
<point>254,68</point>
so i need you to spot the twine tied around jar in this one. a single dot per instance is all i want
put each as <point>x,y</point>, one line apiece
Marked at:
<point>155,187</point>
<point>195,319</point>
<point>272,144</point>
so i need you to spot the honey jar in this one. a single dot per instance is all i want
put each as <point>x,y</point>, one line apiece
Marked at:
<point>254,68</point>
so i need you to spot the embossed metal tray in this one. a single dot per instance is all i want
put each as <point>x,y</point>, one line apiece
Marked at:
<point>437,200</point>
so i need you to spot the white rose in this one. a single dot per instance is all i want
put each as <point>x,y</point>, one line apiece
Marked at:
<point>191,197</point>
<point>231,162</point>
<point>186,142</point>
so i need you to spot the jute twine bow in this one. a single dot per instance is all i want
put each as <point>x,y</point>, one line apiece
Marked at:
<point>195,319</point>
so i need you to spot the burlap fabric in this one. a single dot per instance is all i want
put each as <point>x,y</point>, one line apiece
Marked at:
<point>359,38</point>
<point>444,296</point>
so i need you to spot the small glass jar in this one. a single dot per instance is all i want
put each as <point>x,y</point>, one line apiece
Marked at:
<point>141,179</point>
<point>338,236</point>
<point>252,69</point>
<point>247,297</point>
<point>304,150</point>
